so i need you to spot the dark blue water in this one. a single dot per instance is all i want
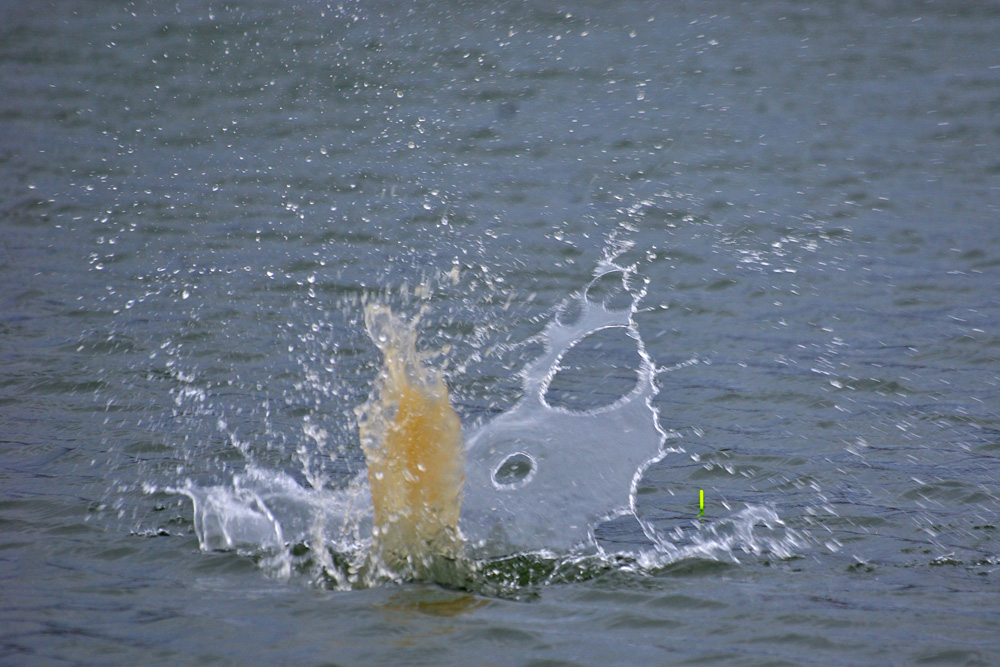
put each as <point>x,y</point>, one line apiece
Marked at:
<point>196,202</point>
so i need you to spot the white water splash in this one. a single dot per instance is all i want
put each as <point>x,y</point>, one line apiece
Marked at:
<point>542,477</point>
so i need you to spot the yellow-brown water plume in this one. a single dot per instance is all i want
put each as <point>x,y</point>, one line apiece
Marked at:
<point>412,440</point>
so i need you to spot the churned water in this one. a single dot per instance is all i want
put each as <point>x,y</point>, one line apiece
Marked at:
<point>657,252</point>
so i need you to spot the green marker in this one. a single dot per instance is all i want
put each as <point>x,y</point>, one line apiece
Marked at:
<point>701,502</point>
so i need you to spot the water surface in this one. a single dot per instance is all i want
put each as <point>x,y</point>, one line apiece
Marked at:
<point>196,203</point>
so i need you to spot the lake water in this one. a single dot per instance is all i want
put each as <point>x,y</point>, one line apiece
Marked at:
<point>197,201</point>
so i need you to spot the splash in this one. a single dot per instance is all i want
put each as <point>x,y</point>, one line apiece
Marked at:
<point>513,504</point>
<point>541,477</point>
<point>412,440</point>
<point>544,475</point>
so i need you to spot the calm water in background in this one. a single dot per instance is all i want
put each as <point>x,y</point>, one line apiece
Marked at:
<point>193,199</point>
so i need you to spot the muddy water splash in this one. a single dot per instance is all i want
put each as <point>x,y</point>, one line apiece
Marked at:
<point>412,440</point>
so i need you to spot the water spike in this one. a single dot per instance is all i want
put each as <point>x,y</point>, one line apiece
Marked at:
<point>412,441</point>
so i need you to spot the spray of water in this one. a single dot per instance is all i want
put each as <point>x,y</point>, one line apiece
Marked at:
<point>515,501</point>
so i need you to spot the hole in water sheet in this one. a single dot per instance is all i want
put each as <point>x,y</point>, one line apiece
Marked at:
<point>610,290</point>
<point>569,313</point>
<point>598,370</point>
<point>514,472</point>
